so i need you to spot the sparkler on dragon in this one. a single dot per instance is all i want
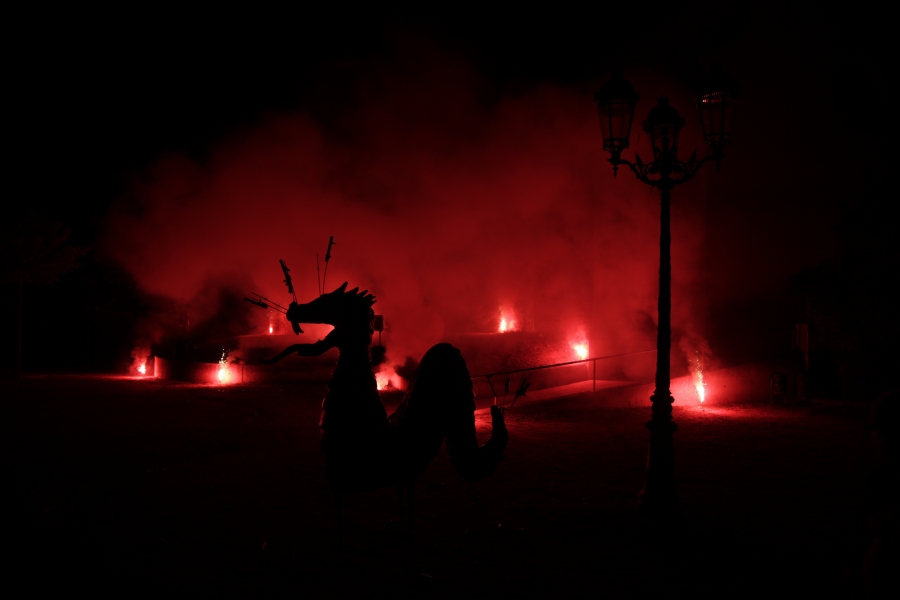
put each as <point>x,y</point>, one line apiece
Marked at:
<point>364,447</point>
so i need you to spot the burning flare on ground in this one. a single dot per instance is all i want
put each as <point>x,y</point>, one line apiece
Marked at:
<point>507,321</point>
<point>387,379</point>
<point>699,384</point>
<point>223,367</point>
<point>697,352</point>
<point>382,380</point>
<point>140,355</point>
<point>579,345</point>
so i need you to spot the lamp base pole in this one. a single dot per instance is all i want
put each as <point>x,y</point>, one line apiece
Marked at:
<point>658,497</point>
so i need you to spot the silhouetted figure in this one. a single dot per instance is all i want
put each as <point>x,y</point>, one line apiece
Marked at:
<point>365,449</point>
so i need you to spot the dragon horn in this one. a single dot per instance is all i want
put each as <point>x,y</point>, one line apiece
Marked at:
<point>341,289</point>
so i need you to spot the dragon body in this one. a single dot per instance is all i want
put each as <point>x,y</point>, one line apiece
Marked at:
<point>363,446</point>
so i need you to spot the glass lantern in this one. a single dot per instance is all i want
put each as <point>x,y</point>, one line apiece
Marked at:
<point>715,103</point>
<point>664,124</point>
<point>616,100</point>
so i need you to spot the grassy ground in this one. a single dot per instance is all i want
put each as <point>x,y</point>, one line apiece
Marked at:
<point>126,487</point>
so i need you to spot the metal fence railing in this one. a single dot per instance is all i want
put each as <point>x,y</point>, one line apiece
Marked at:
<point>629,366</point>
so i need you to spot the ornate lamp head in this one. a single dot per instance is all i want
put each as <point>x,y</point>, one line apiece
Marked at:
<point>716,95</point>
<point>664,124</point>
<point>616,100</point>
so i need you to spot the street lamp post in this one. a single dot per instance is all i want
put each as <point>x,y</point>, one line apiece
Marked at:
<point>616,101</point>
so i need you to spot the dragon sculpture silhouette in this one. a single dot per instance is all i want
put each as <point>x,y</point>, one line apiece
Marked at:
<point>364,447</point>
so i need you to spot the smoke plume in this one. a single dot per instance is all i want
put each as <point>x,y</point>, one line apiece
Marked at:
<point>448,203</point>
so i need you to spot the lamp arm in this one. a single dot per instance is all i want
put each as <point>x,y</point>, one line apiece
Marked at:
<point>686,170</point>
<point>692,166</point>
<point>639,170</point>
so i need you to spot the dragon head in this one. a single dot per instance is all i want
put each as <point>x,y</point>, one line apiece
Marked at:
<point>340,308</point>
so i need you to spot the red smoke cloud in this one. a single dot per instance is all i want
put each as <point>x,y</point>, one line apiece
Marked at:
<point>444,205</point>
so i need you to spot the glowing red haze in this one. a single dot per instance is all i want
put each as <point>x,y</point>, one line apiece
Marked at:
<point>445,207</point>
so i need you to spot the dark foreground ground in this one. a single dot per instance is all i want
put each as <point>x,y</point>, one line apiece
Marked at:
<point>126,487</point>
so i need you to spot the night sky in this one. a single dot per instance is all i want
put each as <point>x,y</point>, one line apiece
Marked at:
<point>110,111</point>
<point>99,96</point>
